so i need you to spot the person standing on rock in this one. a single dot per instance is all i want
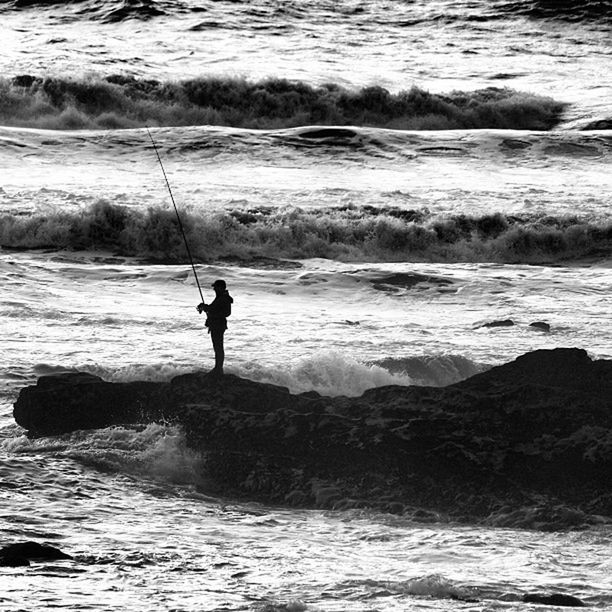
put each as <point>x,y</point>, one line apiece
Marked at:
<point>216,321</point>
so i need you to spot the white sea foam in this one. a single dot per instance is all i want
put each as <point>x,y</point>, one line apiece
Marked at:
<point>151,451</point>
<point>154,450</point>
<point>329,373</point>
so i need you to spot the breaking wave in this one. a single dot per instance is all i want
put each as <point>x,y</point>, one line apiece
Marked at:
<point>116,102</point>
<point>156,452</point>
<point>329,374</point>
<point>351,233</point>
<point>333,373</point>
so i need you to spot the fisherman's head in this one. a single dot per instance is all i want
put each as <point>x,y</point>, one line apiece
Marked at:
<point>219,286</point>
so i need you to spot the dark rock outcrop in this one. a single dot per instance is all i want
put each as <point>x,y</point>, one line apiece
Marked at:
<point>556,599</point>
<point>76,400</point>
<point>21,553</point>
<point>527,443</point>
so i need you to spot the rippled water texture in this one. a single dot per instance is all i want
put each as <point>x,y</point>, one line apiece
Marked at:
<point>357,257</point>
<point>198,553</point>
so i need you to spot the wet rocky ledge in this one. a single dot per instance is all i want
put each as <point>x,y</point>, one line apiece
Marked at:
<point>528,443</point>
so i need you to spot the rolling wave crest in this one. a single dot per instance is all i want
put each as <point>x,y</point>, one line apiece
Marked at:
<point>116,102</point>
<point>344,233</point>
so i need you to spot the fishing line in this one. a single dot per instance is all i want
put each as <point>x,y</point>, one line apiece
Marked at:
<point>177,213</point>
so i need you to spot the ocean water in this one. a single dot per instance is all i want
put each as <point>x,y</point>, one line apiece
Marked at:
<point>376,181</point>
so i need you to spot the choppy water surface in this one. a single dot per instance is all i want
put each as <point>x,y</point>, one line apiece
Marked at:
<point>559,49</point>
<point>91,494</point>
<point>454,172</point>
<point>133,505</point>
<point>124,320</point>
<point>359,255</point>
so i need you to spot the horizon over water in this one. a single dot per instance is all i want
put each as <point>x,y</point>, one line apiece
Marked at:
<point>377,181</point>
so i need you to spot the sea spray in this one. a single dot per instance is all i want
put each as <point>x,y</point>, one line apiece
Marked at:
<point>332,373</point>
<point>328,373</point>
<point>154,451</point>
<point>166,456</point>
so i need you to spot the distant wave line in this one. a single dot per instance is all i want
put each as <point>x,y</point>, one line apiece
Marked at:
<point>292,14</point>
<point>117,101</point>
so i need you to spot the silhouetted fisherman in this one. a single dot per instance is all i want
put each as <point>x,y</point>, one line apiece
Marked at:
<point>216,321</point>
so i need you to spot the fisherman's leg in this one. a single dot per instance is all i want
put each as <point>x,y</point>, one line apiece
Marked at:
<point>216,335</point>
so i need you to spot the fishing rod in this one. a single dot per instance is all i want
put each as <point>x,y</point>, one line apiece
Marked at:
<point>177,213</point>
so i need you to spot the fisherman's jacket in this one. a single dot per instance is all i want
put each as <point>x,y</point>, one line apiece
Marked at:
<point>218,311</point>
